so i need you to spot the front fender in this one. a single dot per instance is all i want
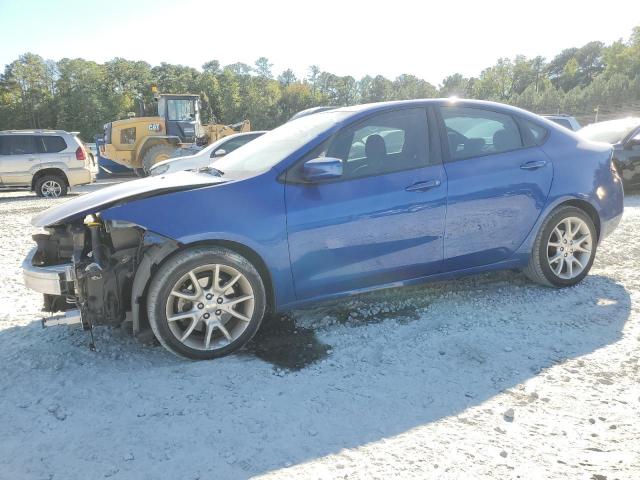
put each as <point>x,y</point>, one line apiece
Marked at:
<point>250,212</point>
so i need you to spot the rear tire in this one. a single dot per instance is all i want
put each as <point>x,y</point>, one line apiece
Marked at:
<point>51,186</point>
<point>155,154</point>
<point>564,249</point>
<point>207,320</point>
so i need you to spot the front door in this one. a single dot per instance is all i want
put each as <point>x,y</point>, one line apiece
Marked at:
<point>498,183</point>
<point>381,222</point>
<point>19,158</point>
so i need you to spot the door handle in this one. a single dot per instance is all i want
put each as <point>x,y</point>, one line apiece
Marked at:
<point>533,165</point>
<point>423,186</point>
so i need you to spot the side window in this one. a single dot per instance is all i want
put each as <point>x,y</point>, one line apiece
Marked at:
<point>234,144</point>
<point>532,134</point>
<point>53,144</point>
<point>384,143</point>
<point>128,136</point>
<point>473,132</point>
<point>18,145</point>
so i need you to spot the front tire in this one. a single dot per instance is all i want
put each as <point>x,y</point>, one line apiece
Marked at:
<point>51,186</point>
<point>206,302</point>
<point>564,249</point>
<point>156,154</point>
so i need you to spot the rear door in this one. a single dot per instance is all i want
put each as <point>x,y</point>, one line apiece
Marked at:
<point>498,183</point>
<point>19,158</point>
<point>54,150</point>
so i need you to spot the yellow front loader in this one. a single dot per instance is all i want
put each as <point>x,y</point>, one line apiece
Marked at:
<point>141,142</point>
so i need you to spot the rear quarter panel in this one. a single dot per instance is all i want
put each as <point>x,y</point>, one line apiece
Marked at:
<point>581,172</point>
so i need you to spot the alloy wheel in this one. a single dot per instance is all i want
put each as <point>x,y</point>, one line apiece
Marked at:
<point>210,307</point>
<point>569,248</point>
<point>51,188</point>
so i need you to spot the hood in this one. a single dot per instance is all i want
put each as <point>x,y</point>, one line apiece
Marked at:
<point>122,192</point>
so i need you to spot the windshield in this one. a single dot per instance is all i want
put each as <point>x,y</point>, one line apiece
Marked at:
<point>609,132</point>
<point>274,146</point>
<point>181,110</point>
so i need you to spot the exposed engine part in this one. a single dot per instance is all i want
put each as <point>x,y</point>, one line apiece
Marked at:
<point>71,317</point>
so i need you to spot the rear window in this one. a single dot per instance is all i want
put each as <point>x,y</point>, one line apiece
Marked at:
<point>53,144</point>
<point>18,145</point>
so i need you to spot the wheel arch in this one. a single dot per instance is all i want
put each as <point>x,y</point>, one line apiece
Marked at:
<point>251,255</point>
<point>158,255</point>
<point>585,206</point>
<point>48,171</point>
<point>583,203</point>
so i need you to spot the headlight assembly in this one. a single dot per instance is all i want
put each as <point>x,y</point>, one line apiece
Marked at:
<point>159,170</point>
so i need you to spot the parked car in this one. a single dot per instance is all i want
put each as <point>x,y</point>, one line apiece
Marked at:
<point>204,157</point>
<point>295,217</point>
<point>624,135</point>
<point>48,162</point>
<point>310,111</point>
<point>566,121</point>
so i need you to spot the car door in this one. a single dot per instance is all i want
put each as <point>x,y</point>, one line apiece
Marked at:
<point>498,183</point>
<point>55,150</point>
<point>382,221</point>
<point>19,157</point>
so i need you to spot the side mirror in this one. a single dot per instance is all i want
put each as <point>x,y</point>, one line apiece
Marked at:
<point>219,153</point>
<point>323,168</point>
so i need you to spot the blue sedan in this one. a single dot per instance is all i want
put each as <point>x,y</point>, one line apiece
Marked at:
<point>328,205</point>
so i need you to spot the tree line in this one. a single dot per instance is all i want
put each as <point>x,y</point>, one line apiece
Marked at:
<point>82,95</point>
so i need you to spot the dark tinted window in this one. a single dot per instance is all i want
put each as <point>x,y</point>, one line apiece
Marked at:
<point>18,145</point>
<point>532,133</point>
<point>53,144</point>
<point>384,143</point>
<point>473,132</point>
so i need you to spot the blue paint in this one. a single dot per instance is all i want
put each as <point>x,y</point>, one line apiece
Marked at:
<point>332,238</point>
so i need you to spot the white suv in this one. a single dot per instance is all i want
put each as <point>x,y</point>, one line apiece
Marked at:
<point>46,161</point>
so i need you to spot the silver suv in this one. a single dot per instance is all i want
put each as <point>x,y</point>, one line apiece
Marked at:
<point>46,161</point>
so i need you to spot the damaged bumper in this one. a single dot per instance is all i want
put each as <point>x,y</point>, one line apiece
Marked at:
<point>51,280</point>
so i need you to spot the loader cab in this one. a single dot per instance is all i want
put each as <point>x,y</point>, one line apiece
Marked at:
<point>181,114</point>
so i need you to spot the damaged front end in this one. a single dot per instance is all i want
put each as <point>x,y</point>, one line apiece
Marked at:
<point>86,270</point>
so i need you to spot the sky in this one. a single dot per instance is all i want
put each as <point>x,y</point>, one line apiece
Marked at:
<point>428,39</point>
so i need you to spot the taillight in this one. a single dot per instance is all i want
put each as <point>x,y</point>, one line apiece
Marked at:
<point>80,155</point>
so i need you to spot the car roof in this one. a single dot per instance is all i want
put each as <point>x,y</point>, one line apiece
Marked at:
<point>36,132</point>
<point>361,110</point>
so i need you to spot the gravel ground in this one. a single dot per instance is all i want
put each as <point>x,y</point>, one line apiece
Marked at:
<point>486,377</point>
